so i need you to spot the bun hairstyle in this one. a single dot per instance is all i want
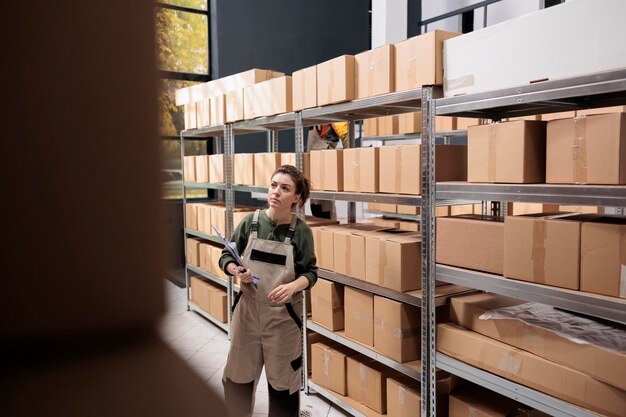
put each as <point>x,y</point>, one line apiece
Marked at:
<point>303,185</point>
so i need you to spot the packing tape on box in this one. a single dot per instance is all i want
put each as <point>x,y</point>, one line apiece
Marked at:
<point>362,380</point>
<point>326,360</point>
<point>393,330</point>
<point>492,154</point>
<point>579,150</point>
<point>401,396</point>
<point>622,259</point>
<point>460,82</point>
<point>398,169</point>
<point>538,255</point>
<point>371,68</point>
<point>510,363</point>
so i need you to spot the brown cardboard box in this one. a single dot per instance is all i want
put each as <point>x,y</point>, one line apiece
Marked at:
<point>463,123</point>
<point>396,329</point>
<point>559,115</point>
<point>335,80</point>
<point>253,101</point>
<point>587,150</point>
<point>313,221</point>
<point>189,168</point>
<point>218,218</point>
<point>305,88</point>
<point>243,168</point>
<point>388,125</point>
<point>419,60</point>
<point>327,255</point>
<point>264,166</point>
<point>539,248</point>
<point>203,113</point>
<point>217,108</point>
<point>386,223</point>
<point>603,256</point>
<point>374,72</point>
<point>517,209</point>
<point>202,168</point>
<point>200,290</point>
<point>602,364</point>
<point>327,304</point>
<point>281,95</point>
<point>393,260</point>
<point>581,209</point>
<point>471,241</point>
<point>216,168</point>
<point>360,170</point>
<point>289,158</point>
<point>205,260</point>
<point>235,105</point>
<point>218,304</point>
<point>510,152</point>
<point>359,315</point>
<point>600,110</point>
<point>238,217</point>
<point>204,218</point>
<point>532,118</point>
<point>478,401</point>
<point>410,123</point>
<point>191,216</point>
<point>400,167</point>
<point>409,210</point>
<point>530,370</point>
<point>216,254</point>
<point>409,226</point>
<point>367,382</point>
<point>191,121</point>
<point>349,248</point>
<point>329,366</point>
<point>327,170</point>
<point>313,338</point>
<point>193,254</point>
<point>385,208</point>
<point>370,127</point>
<point>461,209</point>
<point>403,400</point>
<point>445,123</point>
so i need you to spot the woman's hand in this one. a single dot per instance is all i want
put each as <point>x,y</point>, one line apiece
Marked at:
<point>282,293</point>
<point>245,275</point>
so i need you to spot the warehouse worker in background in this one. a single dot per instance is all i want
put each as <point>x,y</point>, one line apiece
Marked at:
<point>267,328</point>
<point>326,136</point>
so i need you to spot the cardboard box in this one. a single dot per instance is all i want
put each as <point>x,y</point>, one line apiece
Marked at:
<point>419,60</point>
<point>403,400</point>
<point>193,252</point>
<point>305,88</point>
<point>313,221</point>
<point>216,168</point>
<point>191,121</point>
<point>543,249</point>
<point>581,209</point>
<point>217,107</point>
<point>216,254</point>
<point>204,218</point>
<point>203,113</point>
<point>264,166</point>
<point>239,215</point>
<point>374,72</point>
<point>218,218</point>
<point>463,123</point>
<point>205,260</point>
<point>478,401</point>
<point>393,260</point>
<point>360,173</point>
<point>367,382</point>
<point>191,216</point>
<point>400,167</point>
<point>189,168</point>
<point>388,125</point>
<point>530,370</point>
<point>587,150</point>
<point>235,105</point>
<point>327,170</point>
<point>559,115</point>
<point>442,211</point>
<point>289,158</point>
<point>603,364</point>
<point>517,209</point>
<point>599,110</point>
<point>471,67</point>
<point>313,338</point>
<point>445,123</point>
<point>414,210</point>
<point>327,255</point>
<point>202,168</point>
<point>329,363</point>
<point>603,256</point>
<point>461,209</point>
<point>386,223</point>
<point>200,290</point>
<point>218,304</point>
<point>243,168</point>
<point>327,304</point>
<point>348,249</point>
<point>253,101</point>
<point>370,127</point>
<point>409,226</point>
<point>510,152</point>
<point>281,95</point>
<point>359,315</point>
<point>396,329</point>
<point>335,80</point>
<point>385,208</point>
<point>471,241</point>
<point>410,123</point>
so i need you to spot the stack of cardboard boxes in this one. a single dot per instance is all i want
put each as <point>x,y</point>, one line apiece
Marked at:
<point>210,298</point>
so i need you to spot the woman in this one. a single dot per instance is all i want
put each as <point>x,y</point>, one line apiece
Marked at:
<point>267,327</point>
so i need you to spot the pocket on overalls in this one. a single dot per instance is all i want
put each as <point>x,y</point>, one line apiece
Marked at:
<point>268,257</point>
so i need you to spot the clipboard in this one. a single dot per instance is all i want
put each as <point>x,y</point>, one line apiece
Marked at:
<point>232,249</point>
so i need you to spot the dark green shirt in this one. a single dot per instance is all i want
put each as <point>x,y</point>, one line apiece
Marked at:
<point>302,242</point>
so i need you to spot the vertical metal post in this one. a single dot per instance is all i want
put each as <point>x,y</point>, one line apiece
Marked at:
<point>272,140</point>
<point>428,387</point>
<point>219,148</point>
<point>485,16</point>
<point>299,149</point>
<point>229,148</point>
<point>484,208</point>
<point>184,193</point>
<point>351,144</point>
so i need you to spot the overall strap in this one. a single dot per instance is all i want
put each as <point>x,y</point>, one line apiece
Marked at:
<point>292,229</point>
<point>255,224</point>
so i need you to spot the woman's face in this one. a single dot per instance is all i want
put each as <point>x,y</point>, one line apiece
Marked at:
<point>282,192</point>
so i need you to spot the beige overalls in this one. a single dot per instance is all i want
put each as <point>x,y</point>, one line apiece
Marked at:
<point>264,332</point>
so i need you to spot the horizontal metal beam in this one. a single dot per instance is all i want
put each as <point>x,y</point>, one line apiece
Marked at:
<point>334,398</point>
<point>457,12</point>
<point>207,185</point>
<point>402,199</point>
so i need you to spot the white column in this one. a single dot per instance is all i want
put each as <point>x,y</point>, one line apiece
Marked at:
<point>388,21</point>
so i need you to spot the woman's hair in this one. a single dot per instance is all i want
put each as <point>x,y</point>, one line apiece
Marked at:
<point>303,185</point>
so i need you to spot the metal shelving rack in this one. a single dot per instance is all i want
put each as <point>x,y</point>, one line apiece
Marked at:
<point>596,90</point>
